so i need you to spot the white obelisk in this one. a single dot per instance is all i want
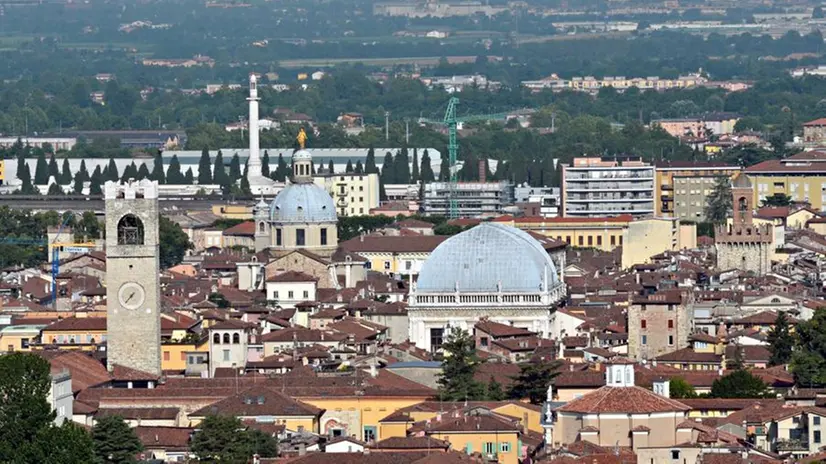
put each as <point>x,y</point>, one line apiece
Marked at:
<point>255,155</point>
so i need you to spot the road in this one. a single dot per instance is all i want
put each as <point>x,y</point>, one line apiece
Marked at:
<point>96,205</point>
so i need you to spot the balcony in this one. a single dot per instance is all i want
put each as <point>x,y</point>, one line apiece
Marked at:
<point>792,445</point>
<point>610,187</point>
<point>592,199</point>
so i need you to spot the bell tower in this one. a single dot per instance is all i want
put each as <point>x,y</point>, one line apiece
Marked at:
<point>132,266</point>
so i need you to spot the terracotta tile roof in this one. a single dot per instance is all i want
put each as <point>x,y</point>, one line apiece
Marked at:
<point>140,413</point>
<point>411,443</point>
<point>245,229</point>
<point>341,255</point>
<point>292,276</point>
<point>472,423</point>
<point>497,329</point>
<point>704,337</point>
<point>388,457</point>
<point>168,438</point>
<point>816,122</point>
<point>259,401</point>
<point>588,428</point>
<point>86,371</point>
<point>78,323</point>
<point>728,404</point>
<point>231,324</point>
<point>302,334</point>
<point>412,224</point>
<point>575,342</point>
<point>763,411</point>
<point>763,318</point>
<point>778,166</point>
<point>124,373</point>
<point>577,379</point>
<point>386,243</point>
<point>749,353</point>
<point>622,400</point>
<point>688,355</point>
<point>622,218</point>
<point>361,330</point>
<point>640,428</point>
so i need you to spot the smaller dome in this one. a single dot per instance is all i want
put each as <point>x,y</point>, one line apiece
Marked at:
<point>741,181</point>
<point>303,203</point>
<point>302,155</point>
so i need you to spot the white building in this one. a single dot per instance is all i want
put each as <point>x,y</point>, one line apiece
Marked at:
<point>548,198</point>
<point>354,194</point>
<point>60,396</point>
<point>290,288</point>
<point>493,271</point>
<point>228,345</point>
<point>599,187</point>
<point>472,198</point>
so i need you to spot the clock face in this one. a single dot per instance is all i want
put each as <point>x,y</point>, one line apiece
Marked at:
<point>131,295</point>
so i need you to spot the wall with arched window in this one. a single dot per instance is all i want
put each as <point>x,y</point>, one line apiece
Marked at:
<point>130,230</point>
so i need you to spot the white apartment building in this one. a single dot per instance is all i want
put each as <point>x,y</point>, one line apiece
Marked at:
<point>354,194</point>
<point>599,187</point>
<point>473,199</point>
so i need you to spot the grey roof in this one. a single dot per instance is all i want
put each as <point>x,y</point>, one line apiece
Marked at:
<point>485,257</point>
<point>303,203</point>
<point>741,181</point>
<point>416,364</point>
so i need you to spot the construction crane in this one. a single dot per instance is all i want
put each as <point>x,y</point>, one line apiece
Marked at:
<point>451,121</point>
<point>54,248</point>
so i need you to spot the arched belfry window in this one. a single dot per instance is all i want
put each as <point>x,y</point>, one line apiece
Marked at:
<point>130,230</point>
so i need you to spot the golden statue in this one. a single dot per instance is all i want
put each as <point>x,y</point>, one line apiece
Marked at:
<point>302,138</point>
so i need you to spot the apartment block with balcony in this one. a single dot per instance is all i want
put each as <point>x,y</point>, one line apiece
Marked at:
<point>473,199</point>
<point>354,194</point>
<point>599,187</point>
<point>682,187</point>
<point>801,176</point>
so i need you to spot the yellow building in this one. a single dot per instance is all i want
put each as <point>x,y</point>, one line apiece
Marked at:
<point>394,255</point>
<point>691,182</point>
<point>645,238</point>
<point>801,176</point>
<point>82,333</point>
<point>354,194</point>
<point>2,172</point>
<point>18,337</point>
<point>173,355</point>
<point>604,234</point>
<point>228,211</point>
<point>484,432</point>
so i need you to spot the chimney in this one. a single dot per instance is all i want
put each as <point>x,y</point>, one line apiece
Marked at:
<point>302,449</point>
<point>482,171</point>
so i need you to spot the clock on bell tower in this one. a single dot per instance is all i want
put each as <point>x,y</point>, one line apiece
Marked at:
<point>132,267</point>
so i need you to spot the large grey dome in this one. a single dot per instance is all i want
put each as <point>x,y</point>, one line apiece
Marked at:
<point>303,203</point>
<point>484,257</point>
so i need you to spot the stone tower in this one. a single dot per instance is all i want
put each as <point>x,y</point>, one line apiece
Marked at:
<point>261,215</point>
<point>742,244</point>
<point>132,266</point>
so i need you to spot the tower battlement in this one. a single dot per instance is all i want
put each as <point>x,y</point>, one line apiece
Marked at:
<point>131,190</point>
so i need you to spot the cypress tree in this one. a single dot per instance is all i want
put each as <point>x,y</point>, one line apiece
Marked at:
<point>235,168</point>
<point>130,172</point>
<point>41,170</point>
<point>111,171</point>
<point>204,168</point>
<point>21,161</point>
<point>359,168</point>
<point>53,171</point>
<point>173,173</point>
<point>66,173</point>
<point>82,173</point>
<point>414,175</point>
<point>189,178</point>
<point>143,172</point>
<point>388,172</point>
<point>265,164</point>
<point>54,190</point>
<point>157,169</point>
<point>349,167</point>
<point>370,162</point>
<point>444,170</point>
<point>219,174</point>
<point>27,187</point>
<point>331,167</point>
<point>320,168</point>
<point>245,186</point>
<point>281,169</point>
<point>78,186</point>
<point>401,167</point>
<point>95,182</point>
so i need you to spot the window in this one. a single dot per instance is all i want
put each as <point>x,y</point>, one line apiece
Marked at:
<point>216,338</point>
<point>290,295</point>
<point>671,323</point>
<point>183,356</point>
<point>226,338</point>
<point>816,437</point>
<point>670,340</point>
<point>306,294</point>
<point>675,455</point>
<point>816,420</point>
<point>483,341</point>
<point>644,340</point>
<point>643,324</point>
<point>580,240</point>
<point>166,356</point>
<point>505,447</point>
<point>469,448</point>
<point>130,230</point>
<point>613,240</point>
<point>324,236</point>
<point>568,239</point>
<point>599,240</point>
<point>436,338</point>
<point>408,265</point>
<point>590,240</point>
<point>387,265</point>
<point>236,338</point>
<point>299,237</point>
<point>489,448</point>
<point>275,295</point>
<point>226,355</point>
<point>277,237</point>
<point>369,433</point>
<point>620,240</point>
<point>261,227</point>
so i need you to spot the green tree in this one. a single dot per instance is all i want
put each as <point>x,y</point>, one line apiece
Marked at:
<point>388,171</point>
<point>54,190</point>
<point>225,439</point>
<point>143,172</point>
<point>95,182</point>
<point>53,170</point>
<point>114,441</point>
<point>41,170</point>
<point>88,227</point>
<point>265,164</point>
<point>401,167</point>
<point>359,168</point>
<point>679,388</point>
<point>27,188</point>
<point>77,188</point>
<point>219,173</point>
<point>331,168</point>
<point>533,381</point>
<point>778,199</point>
<point>456,382</point>
<point>781,341</point>
<point>173,243</point>
<point>719,202</point>
<point>235,168</point>
<point>739,384</point>
<point>173,172</point>
<point>21,162</point>
<point>349,168</point>
<point>414,174</point>
<point>65,173</point>
<point>67,444</point>
<point>157,169</point>
<point>495,391</point>
<point>82,173</point>
<point>129,172</point>
<point>444,169</point>
<point>809,356</point>
<point>189,178</point>
<point>280,174</point>
<point>111,171</point>
<point>204,168</point>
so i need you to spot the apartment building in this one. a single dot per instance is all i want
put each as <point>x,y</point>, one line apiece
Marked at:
<point>599,187</point>
<point>604,234</point>
<point>682,187</point>
<point>801,176</point>
<point>715,123</point>
<point>658,324</point>
<point>354,194</point>
<point>473,199</point>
